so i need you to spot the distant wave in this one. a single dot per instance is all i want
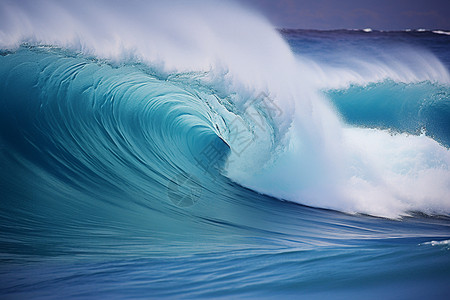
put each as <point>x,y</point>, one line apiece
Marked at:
<point>370,30</point>
<point>441,32</point>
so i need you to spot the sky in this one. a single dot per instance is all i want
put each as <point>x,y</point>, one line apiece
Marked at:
<point>353,14</point>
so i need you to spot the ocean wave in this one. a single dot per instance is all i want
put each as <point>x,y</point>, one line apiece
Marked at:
<point>400,107</point>
<point>194,99</point>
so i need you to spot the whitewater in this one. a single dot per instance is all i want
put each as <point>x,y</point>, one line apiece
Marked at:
<point>175,150</point>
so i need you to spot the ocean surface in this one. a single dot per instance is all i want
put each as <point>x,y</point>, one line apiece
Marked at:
<point>165,151</point>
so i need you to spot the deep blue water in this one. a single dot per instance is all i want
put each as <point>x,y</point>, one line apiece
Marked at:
<point>106,191</point>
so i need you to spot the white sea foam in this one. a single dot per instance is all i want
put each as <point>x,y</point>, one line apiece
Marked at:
<point>438,243</point>
<point>442,32</point>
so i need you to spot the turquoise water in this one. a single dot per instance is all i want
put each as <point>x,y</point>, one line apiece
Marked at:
<point>123,178</point>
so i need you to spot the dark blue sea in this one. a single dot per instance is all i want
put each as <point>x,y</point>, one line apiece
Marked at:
<point>170,151</point>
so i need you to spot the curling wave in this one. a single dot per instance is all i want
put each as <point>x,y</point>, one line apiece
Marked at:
<point>105,112</point>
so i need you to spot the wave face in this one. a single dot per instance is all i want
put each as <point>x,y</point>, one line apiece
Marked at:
<point>147,143</point>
